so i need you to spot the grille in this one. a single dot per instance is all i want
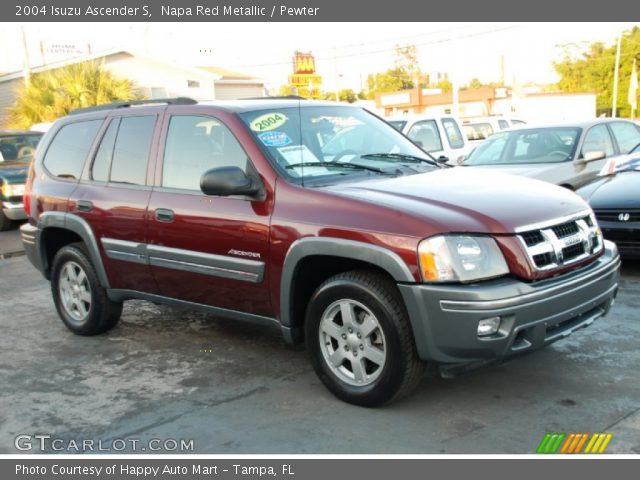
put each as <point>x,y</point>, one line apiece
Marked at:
<point>558,244</point>
<point>566,229</point>
<point>627,241</point>
<point>614,215</point>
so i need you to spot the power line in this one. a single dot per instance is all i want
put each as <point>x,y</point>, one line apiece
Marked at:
<point>383,50</point>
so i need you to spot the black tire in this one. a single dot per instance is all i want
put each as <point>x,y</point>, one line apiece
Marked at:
<point>402,370</point>
<point>5,223</point>
<point>102,314</point>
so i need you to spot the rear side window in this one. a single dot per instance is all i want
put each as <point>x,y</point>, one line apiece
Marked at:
<point>68,151</point>
<point>627,135</point>
<point>453,133</point>
<point>425,134</point>
<point>131,151</point>
<point>503,124</point>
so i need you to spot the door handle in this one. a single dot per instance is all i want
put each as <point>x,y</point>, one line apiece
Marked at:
<point>164,215</point>
<point>84,205</point>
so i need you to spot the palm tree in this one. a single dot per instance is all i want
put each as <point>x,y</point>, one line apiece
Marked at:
<point>53,94</point>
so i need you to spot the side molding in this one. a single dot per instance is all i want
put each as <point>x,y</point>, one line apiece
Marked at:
<point>335,247</point>
<point>77,225</point>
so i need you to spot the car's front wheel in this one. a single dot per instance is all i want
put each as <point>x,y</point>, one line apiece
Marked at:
<point>360,340</point>
<point>80,300</point>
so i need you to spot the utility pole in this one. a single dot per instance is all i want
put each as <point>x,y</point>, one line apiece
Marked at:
<point>26,68</point>
<point>615,79</point>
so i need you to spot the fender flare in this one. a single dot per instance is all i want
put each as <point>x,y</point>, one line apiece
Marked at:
<point>335,247</point>
<point>80,227</point>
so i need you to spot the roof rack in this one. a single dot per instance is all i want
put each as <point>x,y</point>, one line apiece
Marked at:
<point>133,103</point>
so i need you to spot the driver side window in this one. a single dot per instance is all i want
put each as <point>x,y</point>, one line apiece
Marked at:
<point>598,140</point>
<point>194,145</point>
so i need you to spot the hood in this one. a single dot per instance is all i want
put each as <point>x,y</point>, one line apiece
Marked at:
<point>14,172</point>
<point>468,200</point>
<point>613,191</point>
<point>531,170</point>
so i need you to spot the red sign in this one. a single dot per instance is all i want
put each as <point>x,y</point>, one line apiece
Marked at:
<point>304,63</point>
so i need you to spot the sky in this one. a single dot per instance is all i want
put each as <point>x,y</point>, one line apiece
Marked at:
<point>345,52</point>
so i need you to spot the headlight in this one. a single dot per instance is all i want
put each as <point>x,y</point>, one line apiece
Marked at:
<point>460,258</point>
<point>12,190</point>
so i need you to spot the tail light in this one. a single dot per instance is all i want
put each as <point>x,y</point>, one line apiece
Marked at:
<point>26,197</point>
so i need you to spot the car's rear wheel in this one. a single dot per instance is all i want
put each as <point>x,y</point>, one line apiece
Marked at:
<point>360,341</point>
<point>80,300</point>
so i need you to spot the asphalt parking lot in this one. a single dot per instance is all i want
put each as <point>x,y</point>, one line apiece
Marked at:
<point>231,388</point>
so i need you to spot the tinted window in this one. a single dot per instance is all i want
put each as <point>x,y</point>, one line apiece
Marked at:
<point>598,140</point>
<point>131,150</point>
<point>627,135</point>
<point>453,133</point>
<point>18,147</point>
<point>102,161</point>
<point>503,124</point>
<point>425,134</point>
<point>68,150</point>
<point>197,144</point>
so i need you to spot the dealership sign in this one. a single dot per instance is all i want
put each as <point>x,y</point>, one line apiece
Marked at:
<point>305,80</point>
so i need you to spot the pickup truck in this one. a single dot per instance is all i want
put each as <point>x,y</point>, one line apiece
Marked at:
<point>377,256</point>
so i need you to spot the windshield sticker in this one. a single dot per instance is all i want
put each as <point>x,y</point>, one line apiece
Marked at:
<point>275,139</point>
<point>298,154</point>
<point>268,121</point>
<point>615,165</point>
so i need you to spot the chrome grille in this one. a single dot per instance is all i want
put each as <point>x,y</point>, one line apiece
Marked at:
<point>561,242</point>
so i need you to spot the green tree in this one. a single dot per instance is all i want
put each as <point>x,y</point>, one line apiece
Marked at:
<point>593,71</point>
<point>53,94</point>
<point>347,95</point>
<point>445,85</point>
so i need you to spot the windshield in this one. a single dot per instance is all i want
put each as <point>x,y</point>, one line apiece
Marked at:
<point>543,145</point>
<point>329,143</point>
<point>18,147</point>
<point>397,124</point>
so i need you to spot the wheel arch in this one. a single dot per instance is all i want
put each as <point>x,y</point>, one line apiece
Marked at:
<point>57,229</point>
<point>351,253</point>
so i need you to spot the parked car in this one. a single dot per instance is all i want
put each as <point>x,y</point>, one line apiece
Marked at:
<point>381,260</point>
<point>16,150</point>
<point>615,198</point>
<point>478,129</point>
<point>441,136</point>
<point>569,155</point>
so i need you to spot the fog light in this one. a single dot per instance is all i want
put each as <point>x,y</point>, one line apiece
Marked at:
<point>488,326</point>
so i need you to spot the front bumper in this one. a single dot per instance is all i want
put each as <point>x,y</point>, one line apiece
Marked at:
<point>13,210</point>
<point>445,317</point>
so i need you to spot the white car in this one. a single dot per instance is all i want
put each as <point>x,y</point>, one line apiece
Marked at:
<point>478,128</point>
<point>439,135</point>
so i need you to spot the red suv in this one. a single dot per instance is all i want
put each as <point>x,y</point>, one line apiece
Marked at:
<point>316,218</point>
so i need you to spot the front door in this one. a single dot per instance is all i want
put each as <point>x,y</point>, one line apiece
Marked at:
<point>206,249</point>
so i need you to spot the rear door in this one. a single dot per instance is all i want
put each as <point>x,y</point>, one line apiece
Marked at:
<point>206,249</point>
<point>114,193</point>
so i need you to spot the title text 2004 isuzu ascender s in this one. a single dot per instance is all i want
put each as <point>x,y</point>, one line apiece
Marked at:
<point>319,219</point>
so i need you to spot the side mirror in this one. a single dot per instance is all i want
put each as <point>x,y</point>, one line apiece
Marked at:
<point>226,181</point>
<point>418,142</point>
<point>442,159</point>
<point>592,156</point>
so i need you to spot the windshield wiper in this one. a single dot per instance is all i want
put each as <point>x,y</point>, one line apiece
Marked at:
<point>355,166</point>
<point>405,158</point>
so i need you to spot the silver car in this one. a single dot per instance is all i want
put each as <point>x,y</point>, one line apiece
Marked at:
<point>569,155</point>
